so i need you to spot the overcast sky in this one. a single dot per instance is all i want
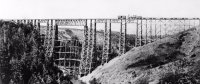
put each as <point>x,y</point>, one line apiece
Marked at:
<point>97,8</point>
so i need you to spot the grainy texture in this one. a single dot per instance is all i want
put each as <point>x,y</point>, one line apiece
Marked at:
<point>173,59</point>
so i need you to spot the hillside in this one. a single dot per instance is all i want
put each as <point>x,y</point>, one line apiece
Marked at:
<point>68,33</point>
<point>80,33</point>
<point>171,60</point>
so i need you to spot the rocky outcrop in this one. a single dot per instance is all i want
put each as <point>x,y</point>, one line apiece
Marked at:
<point>174,59</point>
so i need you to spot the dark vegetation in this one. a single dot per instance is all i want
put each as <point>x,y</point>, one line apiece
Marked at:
<point>192,77</point>
<point>22,59</point>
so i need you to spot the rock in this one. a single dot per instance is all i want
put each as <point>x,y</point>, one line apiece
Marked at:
<point>174,59</point>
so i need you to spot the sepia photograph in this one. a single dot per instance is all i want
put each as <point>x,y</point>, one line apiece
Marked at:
<point>99,42</point>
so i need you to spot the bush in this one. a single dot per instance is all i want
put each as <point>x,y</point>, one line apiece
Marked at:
<point>22,57</point>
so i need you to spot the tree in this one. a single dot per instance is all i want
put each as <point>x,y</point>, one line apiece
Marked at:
<point>22,55</point>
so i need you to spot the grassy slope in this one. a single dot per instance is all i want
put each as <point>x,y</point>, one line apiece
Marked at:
<point>68,32</point>
<point>169,60</point>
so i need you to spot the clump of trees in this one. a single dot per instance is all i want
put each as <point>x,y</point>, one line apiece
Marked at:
<point>182,77</point>
<point>22,59</point>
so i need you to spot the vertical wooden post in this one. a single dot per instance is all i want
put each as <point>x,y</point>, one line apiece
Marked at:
<point>90,47</point>
<point>38,26</point>
<point>84,51</point>
<point>34,23</point>
<point>125,32</point>
<point>46,35</point>
<point>122,40</point>
<point>151,35</point>
<point>160,29</point>
<point>4,33</point>
<point>141,38</point>
<point>109,37</point>
<point>146,37</point>
<point>59,52</point>
<point>56,33</point>
<point>165,26</point>
<point>105,53</point>
<point>65,53</point>
<point>136,38</point>
<point>155,31</point>
<point>70,54</point>
<point>94,45</point>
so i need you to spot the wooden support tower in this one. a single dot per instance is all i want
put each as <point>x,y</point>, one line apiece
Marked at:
<point>160,31</point>
<point>151,32</point>
<point>122,38</point>
<point>84,51</point>
<point>155,33</point>
<point>140,40</point>
<point>46,34</point>
<point>94,49</point>
<point>49,39</point>
<point>107,42</point>
<point>137,34</point>
<point>146,31</point>
<point>90,48</point>
<point>141,33</point>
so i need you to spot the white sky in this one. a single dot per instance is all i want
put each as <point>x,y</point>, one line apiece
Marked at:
<point>15,9</point>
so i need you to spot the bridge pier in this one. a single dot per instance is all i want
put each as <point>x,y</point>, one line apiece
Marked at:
<point>84,51</point>
<point>107,42</point>
<point>146,33</point>
<point>90,47</point>
<point>122,39</point>
<point>94,49</point>
<point>139,32</point>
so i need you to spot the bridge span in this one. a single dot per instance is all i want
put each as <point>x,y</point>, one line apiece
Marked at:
<point>79,56</point>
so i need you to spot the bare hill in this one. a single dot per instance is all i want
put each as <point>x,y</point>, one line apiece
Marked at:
<point>173,60</point>
<point>69,32</point>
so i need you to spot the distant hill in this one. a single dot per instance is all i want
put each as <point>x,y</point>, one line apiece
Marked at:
<point>68,33</point>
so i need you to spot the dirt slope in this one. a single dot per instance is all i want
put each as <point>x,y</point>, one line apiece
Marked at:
<point>173,60</point>
<point>67,33</point>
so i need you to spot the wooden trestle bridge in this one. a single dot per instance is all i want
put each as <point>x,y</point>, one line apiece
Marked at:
<point>79,60</point>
